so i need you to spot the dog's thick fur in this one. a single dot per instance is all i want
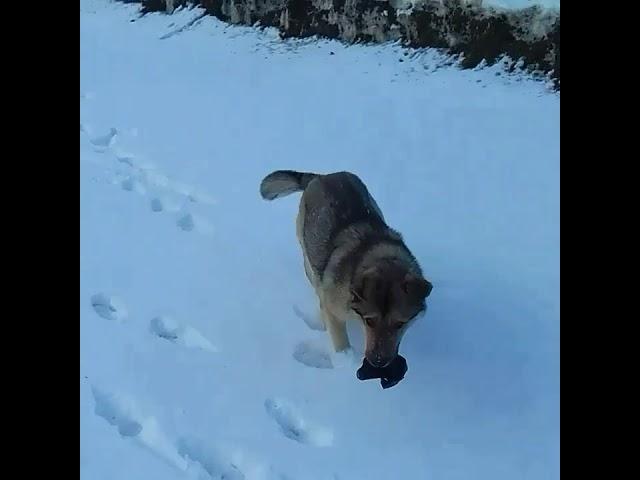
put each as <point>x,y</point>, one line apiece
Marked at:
<point>355,262</point>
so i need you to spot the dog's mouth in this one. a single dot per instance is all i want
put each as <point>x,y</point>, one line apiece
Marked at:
<point>378,362</point>
<point>381,360</point>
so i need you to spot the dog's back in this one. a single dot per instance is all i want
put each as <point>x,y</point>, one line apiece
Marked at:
<point>334,204</point>
<point>330,206</point>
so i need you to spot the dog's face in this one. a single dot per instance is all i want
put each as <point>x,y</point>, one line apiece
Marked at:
<point>388,300</point>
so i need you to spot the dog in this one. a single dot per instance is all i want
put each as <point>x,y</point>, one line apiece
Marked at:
<point>358,266</point>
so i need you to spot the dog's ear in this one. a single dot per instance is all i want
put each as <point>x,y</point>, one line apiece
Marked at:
<point>356,296</point>
<point>416,287</point>
<point>365,286</point>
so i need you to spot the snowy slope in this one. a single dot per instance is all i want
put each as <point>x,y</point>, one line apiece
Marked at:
<point>194,359</point>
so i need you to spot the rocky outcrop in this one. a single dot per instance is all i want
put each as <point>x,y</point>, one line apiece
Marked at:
<point>530,37</point>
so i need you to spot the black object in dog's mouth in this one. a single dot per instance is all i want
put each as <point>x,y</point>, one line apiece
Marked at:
<point>389,376</point>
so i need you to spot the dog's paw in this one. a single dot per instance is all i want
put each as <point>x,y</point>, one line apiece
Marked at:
<point>348,358</point>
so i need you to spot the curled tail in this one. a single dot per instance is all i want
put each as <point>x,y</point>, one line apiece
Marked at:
<point>284,182</point>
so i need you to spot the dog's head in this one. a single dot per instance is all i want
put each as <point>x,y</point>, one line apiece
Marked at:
<point>388,299</point>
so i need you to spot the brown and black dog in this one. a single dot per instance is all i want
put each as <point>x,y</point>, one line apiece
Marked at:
<point>356,263</point>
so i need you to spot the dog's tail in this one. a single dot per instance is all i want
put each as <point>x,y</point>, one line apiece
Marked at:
<point>284,182</point>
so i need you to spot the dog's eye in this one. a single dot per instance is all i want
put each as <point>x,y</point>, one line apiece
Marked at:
<point>369,321</point>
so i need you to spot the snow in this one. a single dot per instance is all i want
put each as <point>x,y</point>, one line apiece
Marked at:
<point>515,4</point>
<point>200,352</point>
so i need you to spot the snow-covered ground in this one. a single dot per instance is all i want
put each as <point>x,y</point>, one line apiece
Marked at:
<point>198,356</point>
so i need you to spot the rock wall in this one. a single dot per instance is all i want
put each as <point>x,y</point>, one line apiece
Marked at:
<point>531,36</point>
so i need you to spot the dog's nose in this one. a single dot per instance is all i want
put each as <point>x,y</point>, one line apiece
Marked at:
<point>379,362</point>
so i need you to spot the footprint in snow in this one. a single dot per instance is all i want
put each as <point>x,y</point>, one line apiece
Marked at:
<point>118,411</point>
<point>187,222</point>
<point>168,329</point>
<point>122,412</point>
<point>109,307</point>
<point>104,141</point>
<point>312,321</point>
<point>133,184</point>
<point>211,459</point>
<point>128,184</point>
<point>156,205</point>
<point>294,426</point>
<point>125,158</point>
<point>313,353</point>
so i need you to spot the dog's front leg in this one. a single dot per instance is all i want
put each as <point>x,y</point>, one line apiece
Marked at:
<point>337,331</point>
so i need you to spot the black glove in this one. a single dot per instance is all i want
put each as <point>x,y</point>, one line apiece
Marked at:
<point>389,376</point>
